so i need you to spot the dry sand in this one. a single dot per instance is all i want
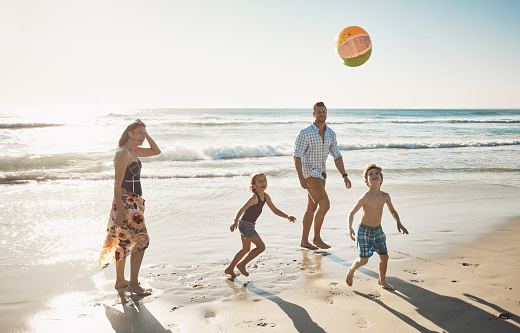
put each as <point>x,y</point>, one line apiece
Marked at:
<point>464,290</point>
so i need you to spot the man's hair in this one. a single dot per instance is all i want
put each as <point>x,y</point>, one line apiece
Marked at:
<point>368,168</point>
<point>317,105</point>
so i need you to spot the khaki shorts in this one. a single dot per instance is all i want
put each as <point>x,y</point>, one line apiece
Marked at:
<point>316,189</point>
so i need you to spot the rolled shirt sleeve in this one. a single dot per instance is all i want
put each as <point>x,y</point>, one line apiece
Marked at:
<point>333,149</point>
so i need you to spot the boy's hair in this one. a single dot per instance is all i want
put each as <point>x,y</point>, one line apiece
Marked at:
<point>317,105</point>
<point>367,169</point>
<point>253,180</point>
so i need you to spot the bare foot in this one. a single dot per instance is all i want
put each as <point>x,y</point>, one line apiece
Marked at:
<point>138,290</point>
<point>308,246</point>
<point>242,269</point>
<point>321,244</point>
<point>230,271</point>
<point>386,285</point>
<point>350,277</point>
<point>122,284</point>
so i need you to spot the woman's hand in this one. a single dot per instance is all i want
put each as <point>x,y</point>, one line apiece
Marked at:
<point>233,227</point>
<point>118,221</point>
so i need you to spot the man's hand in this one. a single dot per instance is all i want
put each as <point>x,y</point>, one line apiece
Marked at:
<point>303,183</point>
<point>348,184</point>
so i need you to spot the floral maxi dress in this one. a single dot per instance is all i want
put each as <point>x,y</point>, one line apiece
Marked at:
<point>131,237</point>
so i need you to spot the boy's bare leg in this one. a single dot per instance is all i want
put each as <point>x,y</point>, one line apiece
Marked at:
<point>135,264</point>
<point>350,275</point>
<point>246,245</point>
<point>324,206</point>
<point>260,247</point>
<point>307,223</point>
<point>383,265</point>
<point>121,282</point>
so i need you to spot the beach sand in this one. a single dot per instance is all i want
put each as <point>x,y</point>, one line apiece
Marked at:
<point>464,288</point>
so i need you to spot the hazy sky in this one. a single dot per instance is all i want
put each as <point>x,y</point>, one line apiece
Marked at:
<point>263,53</point>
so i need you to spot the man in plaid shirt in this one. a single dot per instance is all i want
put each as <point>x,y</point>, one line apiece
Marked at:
<point>311,149</point>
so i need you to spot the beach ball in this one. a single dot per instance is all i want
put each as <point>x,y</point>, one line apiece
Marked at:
<point>353,46</point>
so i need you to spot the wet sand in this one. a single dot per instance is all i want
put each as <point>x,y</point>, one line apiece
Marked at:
<point>457,270</point>
<point>463,290</point>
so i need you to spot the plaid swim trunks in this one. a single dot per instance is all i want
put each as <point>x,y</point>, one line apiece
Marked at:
<point>370,239</point>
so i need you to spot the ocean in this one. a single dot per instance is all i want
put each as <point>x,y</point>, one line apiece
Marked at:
<point>206,143</point>
<point>451,174</point>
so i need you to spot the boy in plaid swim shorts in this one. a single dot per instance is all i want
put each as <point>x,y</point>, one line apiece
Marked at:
<point>370,236</point>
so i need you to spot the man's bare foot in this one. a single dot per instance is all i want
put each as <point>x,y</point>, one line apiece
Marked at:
<point>138,290</point>
<point>122,284</point>
<point>242,269</point>
<point>309,246</point>
<point>230,271</point>
<point>386,285</point>
<point>350,277</point>
<point>321,244</point>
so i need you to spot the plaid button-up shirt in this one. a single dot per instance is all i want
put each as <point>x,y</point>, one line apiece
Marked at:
<point>314,151</point>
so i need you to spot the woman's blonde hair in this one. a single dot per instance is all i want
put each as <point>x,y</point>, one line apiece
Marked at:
<point>253,180</point>
<point>368,168</point>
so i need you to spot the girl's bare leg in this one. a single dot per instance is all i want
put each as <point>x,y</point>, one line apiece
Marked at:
<point>246,245</point>
<point>260,247</point>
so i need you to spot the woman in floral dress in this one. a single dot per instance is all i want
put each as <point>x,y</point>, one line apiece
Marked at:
<point>126,231</point>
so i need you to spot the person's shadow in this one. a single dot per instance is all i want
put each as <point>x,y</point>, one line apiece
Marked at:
<point>134,318</point>
<point>444,311</point>
<point>299,316</point>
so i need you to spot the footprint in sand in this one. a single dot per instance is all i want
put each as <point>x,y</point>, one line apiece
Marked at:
<point>468,264</point>
<point>360,321</point>
<point>329,300</point>
<point>208,314</point>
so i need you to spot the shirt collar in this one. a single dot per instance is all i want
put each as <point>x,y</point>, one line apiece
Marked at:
<point>316,129</point>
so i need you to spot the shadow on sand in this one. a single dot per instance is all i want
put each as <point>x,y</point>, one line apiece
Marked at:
<point>444,311</point>
<point>134,318</point>
<point>299,316</point>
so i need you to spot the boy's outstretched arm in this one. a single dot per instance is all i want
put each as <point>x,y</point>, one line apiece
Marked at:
<point>392,210</point>
<point>351,217</point>
<point>277,211</point>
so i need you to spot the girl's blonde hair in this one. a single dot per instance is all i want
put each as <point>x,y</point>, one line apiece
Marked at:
<point>253,180</point>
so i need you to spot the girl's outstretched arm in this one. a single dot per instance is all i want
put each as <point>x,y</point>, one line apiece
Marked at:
<point>276,210</point>
<point>253,200</point>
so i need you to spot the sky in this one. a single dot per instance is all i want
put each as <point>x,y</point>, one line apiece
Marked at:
<point>257,54</point>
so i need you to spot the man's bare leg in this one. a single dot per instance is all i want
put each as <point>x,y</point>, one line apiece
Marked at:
<point>307,223</point>
<point>324,206</point>
<point>383,265</point>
